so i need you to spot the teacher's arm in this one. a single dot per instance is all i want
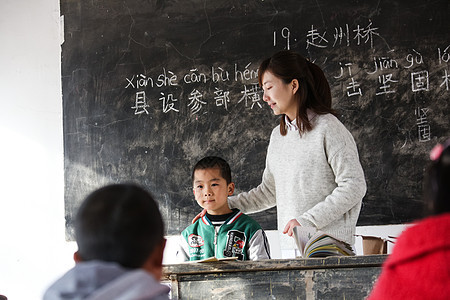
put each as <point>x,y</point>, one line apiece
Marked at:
<point>258,199</point>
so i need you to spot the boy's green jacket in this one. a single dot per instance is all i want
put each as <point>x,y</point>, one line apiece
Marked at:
<point>240,236</point>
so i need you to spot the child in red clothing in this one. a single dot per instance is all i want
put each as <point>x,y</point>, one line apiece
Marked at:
<point>419,267</point>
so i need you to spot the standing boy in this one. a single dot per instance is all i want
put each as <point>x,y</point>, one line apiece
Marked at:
<point>222,232</point>
<point>119,232</point>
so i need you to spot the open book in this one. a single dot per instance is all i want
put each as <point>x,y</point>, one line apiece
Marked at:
<point>313,243</point>
<point>214,259</point>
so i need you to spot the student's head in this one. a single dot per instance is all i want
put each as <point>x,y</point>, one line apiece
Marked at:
<point>120,223</point>
<point>211,180</point>
<point>292,85</point>
<point>437,180</point>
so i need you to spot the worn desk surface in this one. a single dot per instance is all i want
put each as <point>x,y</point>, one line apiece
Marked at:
<point>314,278</point>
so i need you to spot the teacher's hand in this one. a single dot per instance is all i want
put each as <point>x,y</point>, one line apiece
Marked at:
<point>201,214</point>
<point>290,227</point>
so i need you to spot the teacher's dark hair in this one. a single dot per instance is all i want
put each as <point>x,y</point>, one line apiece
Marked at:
<point>314,91</point>
<point>118,223</point>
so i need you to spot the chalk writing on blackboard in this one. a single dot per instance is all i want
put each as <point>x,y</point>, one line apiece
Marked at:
<point>168,102</point>
<point>140,105</point>
<point>420,81</point>
<point>446,80</point>
<point>385,81</point>
<point>383,63</point>
<point>222,97</point>
<point>444,56</point>
<point>353,87</point>
<point>362,35</point>
<point>194,76</point>
<point>423,127</point>
<point>250,93</point>
<point>286,34</point>
<point>386,68</point>
<point>196,103</point>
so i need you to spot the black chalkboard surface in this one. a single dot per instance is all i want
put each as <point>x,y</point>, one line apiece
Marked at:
<point>150,87</point>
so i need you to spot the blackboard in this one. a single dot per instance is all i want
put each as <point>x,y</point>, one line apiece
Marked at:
<point>150,87</point>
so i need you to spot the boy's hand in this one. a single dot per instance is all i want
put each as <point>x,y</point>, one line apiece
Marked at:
<point>290,227</point>
<point>201,214</point>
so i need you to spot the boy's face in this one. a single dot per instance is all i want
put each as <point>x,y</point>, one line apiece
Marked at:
<point>211,191</point>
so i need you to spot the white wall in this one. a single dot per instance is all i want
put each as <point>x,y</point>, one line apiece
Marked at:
<point>32,246</point>
<point>33,251</point>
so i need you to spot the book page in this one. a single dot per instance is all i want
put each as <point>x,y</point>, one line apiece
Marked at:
<point>302,236</point>
<point>321,245</point>
<point>214,259</point>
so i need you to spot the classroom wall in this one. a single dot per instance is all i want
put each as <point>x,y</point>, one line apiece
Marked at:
<point>33,250</point>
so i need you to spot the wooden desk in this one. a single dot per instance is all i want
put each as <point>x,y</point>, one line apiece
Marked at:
<point>314,278</point>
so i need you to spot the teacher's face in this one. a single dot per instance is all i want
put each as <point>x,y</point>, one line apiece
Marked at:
<point>279,95</point>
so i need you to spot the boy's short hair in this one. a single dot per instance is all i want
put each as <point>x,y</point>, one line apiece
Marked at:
<point>211,162</point>
<point>118,223</point>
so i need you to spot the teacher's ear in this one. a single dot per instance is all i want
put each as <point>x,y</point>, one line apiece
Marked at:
<point>294,85</point>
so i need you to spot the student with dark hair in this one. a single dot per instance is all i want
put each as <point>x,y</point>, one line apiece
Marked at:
<point>221,232</point>
<point>120,236</point>
<point>312,174</point>
<point>419,266</point>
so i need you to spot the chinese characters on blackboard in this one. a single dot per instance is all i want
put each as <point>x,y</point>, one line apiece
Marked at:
<point>250,93</point>
<point>387,73</point>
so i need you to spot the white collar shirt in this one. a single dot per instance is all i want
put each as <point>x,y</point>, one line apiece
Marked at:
<point>291,126</point>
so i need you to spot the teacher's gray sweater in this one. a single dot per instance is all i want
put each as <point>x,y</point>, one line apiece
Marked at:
<point>315,178</point>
